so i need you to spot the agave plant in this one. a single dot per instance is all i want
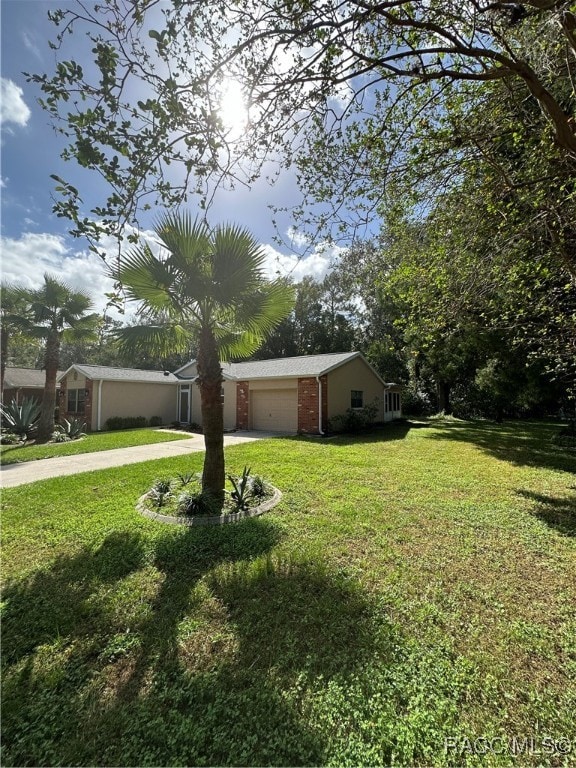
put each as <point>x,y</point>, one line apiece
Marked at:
<point>72,430</point>
<point>21,419</point>
<point>242,488</point>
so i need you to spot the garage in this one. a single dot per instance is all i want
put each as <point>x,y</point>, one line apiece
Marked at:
<point>275,410</point>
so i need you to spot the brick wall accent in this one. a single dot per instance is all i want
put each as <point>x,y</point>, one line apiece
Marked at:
<point>62,400</point>
<point>242,405</point>
<point>88,407</point>
<point>308,404</point>
<point>63,404</point>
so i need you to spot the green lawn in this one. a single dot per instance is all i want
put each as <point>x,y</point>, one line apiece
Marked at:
<point>93,442</point>
<point>415,590</point>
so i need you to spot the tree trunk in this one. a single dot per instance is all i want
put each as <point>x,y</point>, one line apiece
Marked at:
<point>210,383</point>
<point>444,398</point>
<point>3,359</point>
<point>51,362</point>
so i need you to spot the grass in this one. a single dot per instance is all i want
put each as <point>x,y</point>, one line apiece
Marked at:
<point>409,602</point>
<point>93,442</point>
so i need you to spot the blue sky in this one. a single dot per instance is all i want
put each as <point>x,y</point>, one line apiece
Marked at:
<point>34,241</point>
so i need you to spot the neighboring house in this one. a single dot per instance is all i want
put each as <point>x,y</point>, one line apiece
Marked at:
<point>293,394</point>
<point>24,382</point>
<point>96,392</point>
<point>297,394</point>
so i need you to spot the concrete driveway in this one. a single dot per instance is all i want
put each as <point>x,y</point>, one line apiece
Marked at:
<point>30,471</point>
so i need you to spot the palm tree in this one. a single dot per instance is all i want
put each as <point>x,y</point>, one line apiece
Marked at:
<point>206,289</point>
<point>13,312</point>
<point>57,313</point>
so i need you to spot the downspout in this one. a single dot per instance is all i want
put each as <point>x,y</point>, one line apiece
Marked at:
<point>320,430</point>
<point>99,420</point>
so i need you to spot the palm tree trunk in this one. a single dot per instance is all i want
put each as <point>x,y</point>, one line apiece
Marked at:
<point>210,383</point>
<point>51,362</point>
<point>3,358</point>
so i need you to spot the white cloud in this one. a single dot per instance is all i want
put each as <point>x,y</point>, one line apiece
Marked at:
<point>315,264</point>
<point>26,259</point>
<point>13,108</point>
<point>31,45</point>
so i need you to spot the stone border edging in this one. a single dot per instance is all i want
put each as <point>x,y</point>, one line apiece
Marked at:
<point>232,517</point>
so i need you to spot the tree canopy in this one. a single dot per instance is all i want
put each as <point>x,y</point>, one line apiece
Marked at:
<point>364,76</point>
<point>449,125</point>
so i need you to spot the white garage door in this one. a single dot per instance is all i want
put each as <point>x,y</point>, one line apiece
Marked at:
<point>275,411</point>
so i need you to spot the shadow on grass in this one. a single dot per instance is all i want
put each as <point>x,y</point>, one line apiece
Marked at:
<point>557,512</point>
<point>209,697</point>
<point>394,430</point>
<point>518,442</point>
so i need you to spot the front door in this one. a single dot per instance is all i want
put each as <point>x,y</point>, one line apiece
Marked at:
<point>184,414</point>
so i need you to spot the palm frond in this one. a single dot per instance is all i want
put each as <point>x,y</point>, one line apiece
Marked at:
<point>233,346</point>
<point>160,340</point>
<point>188,243</point>
<point>237,263</point>
<point>83,329</point>
<point>266,307</point>
<point>146,278</point>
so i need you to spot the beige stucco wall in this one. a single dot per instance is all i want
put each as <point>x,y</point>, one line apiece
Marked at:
<point>229,404</point>
<point>75,383</point>
<point>353,375</point>
<point>127,398</point>
<point>189,371</point>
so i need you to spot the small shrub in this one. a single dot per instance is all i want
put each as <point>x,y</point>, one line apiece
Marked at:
<point>134,422</point>
<point>21,418</point>
<point>60,437</point>
<point>259,487</point>
<point>126,422</point>
<point>355,419</point>
<point>161,490</point>
<point>197,503</point>
<point>73,430</point>
<point>187,478</point>
<point>416,402</point>
<point>156,421</point>
<point>242,488</point>
<point>10,438</point>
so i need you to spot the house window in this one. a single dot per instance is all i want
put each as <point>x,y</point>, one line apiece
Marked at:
<point>396,397</point>
<point>356,398</point>
<point>76,400</point>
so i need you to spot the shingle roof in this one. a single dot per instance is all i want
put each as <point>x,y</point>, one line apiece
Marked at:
<point>108,373</point>
<point>15,378</point>
<point>286,367</point>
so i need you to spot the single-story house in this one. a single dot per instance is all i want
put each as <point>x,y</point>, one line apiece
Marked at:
<point>96,393</point>
<point>295,394</point>
<point>24,382</point>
